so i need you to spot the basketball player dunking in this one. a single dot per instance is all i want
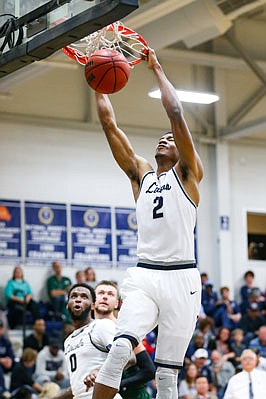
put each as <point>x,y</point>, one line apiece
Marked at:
<point>164,289</point>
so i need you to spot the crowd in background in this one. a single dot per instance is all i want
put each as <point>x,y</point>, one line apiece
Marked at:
<point>225,329</point>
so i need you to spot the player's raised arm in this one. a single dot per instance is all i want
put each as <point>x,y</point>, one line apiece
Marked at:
<point>132,164</point>
<point>189,160</point>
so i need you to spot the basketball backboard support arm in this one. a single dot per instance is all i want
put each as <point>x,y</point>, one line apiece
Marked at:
<point>38,12</point>
<point>48,42</point>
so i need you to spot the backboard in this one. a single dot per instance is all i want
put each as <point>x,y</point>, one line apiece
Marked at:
<point>31,30</point>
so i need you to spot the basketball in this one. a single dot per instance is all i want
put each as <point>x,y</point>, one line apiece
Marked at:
<point>107,71</point>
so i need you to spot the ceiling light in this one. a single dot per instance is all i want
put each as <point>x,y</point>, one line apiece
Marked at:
<point>189,96</point>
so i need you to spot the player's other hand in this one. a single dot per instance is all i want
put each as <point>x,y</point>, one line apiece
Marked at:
<point>90,379</point>
<point>59,375</point>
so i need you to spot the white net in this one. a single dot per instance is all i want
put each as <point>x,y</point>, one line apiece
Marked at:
<point>116,37</point>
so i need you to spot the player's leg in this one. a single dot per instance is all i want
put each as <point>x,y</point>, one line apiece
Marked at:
<point>180,305</point>
<point>166,383</point>
<point>137,317</point>
<point>109,378</point>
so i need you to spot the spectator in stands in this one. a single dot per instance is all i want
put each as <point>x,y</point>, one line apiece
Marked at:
<point>222,371</point>
<point>227,311</point>
<point>260,342</point>
<point>3,390</point>
<point>18,295</point>
<point>90,276</point>
<point>204,278</point>
<point>57,287</point>
<point>80,277</point>
<point>206,326</point>
<point>3,318</point>
<point>6,351</point>
<point>200,359</point>
<point>246,289</point>
<point>251,322</point>
<point>203,389</point>
<point>22,377</point>
<point>196,342</point>
<point>51,366</point>
<point>186,387</point>
<point>209,299</point>
<point>237,345</point>
<point>255,296</point>
<point>261,361</point>
<point>149,342</point>
<point>223,343</point>
<point>249,383</point>
<point>38,339</point>
<point>50,390</point>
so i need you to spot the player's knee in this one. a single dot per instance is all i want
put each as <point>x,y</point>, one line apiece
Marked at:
<point>121,347</point>
<point>166,381</point>
<point>111,372</point>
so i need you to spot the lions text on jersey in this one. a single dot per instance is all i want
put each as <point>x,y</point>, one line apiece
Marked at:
<point>166,219</point>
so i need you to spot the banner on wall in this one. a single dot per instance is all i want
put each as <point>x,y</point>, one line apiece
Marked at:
<point>126,237</point>
<point>10,231</point>
<point>46,232</point>
<point>91,236</point>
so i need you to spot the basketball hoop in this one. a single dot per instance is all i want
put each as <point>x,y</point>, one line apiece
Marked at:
<point>115,36</point>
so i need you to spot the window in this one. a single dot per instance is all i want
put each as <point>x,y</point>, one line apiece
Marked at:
<point>256,226</point>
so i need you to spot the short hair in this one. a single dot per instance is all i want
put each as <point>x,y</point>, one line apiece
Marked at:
<point>249,273</point>
<point>202,376</point>
<point>79,271</point>
<point>28,355</point>
<point>224,289</point>
<point>108,282</point>
<point>84,285</point>
<point>248,351</point>
<point>237,331</point>
<point>165,133</point>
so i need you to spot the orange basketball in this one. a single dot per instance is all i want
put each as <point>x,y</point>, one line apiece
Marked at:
<point>107,71</point>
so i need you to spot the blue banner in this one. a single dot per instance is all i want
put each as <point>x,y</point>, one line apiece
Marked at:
<point>46,232</point>
<point>126,237</point>
<point>10,231</point>
<point>91,236</point>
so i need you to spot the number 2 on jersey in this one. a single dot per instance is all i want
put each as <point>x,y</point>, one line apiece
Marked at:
<point>156,209</point>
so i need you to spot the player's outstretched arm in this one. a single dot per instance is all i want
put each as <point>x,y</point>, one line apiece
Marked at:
<point>189,159</point>
<point>132,164</point>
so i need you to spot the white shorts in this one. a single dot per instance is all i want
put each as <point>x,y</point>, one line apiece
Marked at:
<point>168,298</point>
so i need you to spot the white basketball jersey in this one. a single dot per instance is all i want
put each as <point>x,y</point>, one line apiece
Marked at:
<point>85,350</point>
<point>166,218</point>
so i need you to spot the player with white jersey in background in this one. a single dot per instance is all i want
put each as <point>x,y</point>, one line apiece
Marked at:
<point>87,346</point>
